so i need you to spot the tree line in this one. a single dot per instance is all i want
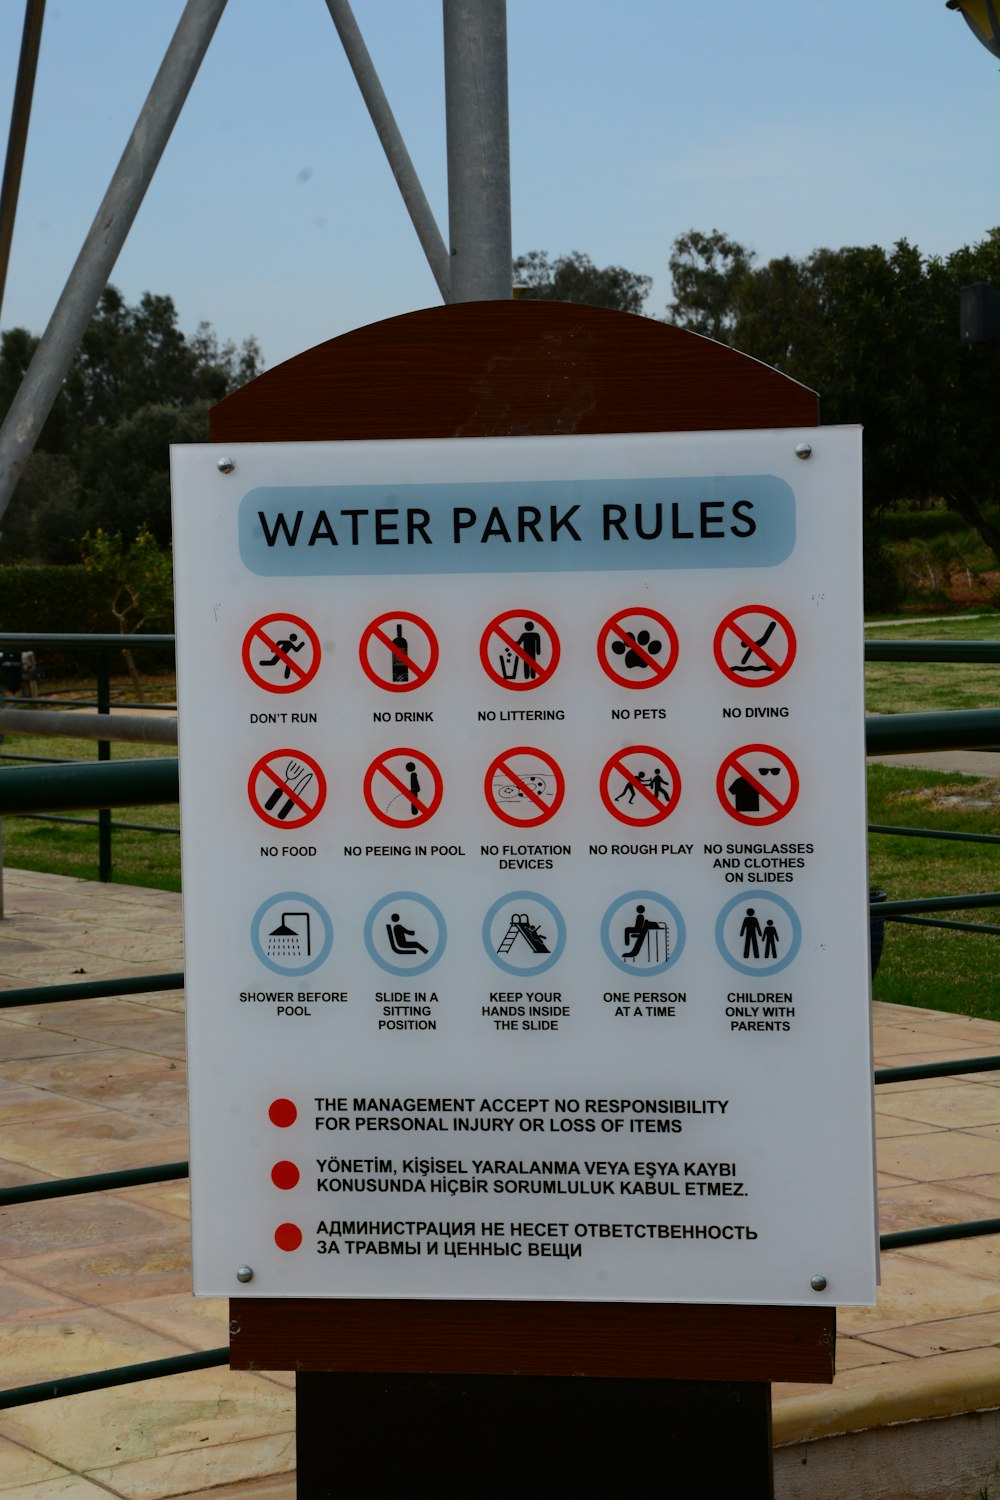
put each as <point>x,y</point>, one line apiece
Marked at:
<point>101,463</point>
<point>873,331</point>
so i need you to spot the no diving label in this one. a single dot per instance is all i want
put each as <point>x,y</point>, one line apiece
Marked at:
<point>755,645</point>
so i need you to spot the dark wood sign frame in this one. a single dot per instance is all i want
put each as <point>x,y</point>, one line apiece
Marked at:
<point>511,369</point>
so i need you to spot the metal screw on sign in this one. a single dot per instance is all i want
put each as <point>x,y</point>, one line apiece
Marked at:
<point>802,450</point>
<point>818,1283</point>
<point>225,465</point>
<point>245,1273</point>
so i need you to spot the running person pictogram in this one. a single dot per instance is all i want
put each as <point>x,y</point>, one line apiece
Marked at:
<point>281,653</point>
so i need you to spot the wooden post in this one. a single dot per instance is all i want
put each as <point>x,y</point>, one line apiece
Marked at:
<point>426,1388</point>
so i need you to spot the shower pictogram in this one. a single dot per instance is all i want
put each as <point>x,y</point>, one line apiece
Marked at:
<point>292,938</point>
<point>291,933</point>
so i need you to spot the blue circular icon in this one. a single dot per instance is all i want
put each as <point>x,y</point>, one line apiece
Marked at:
<point>524,933</point>
<point>405,933</point>
<point>757,933</point>
<point>291,933</point>
<point>643,933</point>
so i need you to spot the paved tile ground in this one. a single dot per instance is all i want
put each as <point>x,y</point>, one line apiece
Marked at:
<point>103,1280</point>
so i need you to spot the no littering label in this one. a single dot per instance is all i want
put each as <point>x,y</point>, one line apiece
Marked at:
<point>519,650</point>
<point>757,784</point>
<point>281,653</point>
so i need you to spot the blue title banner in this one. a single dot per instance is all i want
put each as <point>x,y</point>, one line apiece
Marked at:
<point>533,526</point>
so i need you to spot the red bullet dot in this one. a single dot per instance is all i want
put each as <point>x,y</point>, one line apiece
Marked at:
<point>288,1236</point>
<point>285,1174</point>
<point>283,1113</point>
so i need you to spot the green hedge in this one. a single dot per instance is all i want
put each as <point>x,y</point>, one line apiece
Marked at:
<point>916,525</point>
<point>54,600</point>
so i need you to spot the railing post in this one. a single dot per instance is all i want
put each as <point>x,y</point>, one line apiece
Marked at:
<point>103,753</point>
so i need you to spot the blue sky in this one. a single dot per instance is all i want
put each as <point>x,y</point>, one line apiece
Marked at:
<point>789,126</point>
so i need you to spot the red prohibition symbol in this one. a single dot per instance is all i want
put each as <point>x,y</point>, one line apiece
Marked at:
<point>524,786</point>
<point>287,788</point>
<point>398,651</point>
<point>757,784</point>
<point>754,645</point>
<point>281,653</point>
<point>403,788</point>
<point>519,650</point>
<point>637,648</point>
<point>640,786</point>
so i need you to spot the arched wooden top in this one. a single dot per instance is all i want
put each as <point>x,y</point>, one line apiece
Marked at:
<point>511,369</point>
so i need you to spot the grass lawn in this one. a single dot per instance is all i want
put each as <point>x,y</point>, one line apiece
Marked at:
<point>138,858</point>
<point>930,966</point>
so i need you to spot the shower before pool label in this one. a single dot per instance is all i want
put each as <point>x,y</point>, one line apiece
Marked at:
<point>525,889</point>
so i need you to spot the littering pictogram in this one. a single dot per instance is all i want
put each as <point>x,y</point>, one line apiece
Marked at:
<point>520,650</point>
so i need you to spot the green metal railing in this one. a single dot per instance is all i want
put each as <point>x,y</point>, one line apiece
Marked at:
<point>124,783</point>
<point>103,645</point>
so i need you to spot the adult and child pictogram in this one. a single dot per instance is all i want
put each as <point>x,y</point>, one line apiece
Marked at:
<point>758,933</point>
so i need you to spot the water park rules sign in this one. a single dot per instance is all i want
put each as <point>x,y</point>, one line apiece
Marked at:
<point>522,788</point>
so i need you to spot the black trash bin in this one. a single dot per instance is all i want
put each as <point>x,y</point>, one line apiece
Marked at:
<point>877,927</point>
<point>11,671</point>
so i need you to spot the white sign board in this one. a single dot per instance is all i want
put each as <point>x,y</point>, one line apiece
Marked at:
<point>522,788</point>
